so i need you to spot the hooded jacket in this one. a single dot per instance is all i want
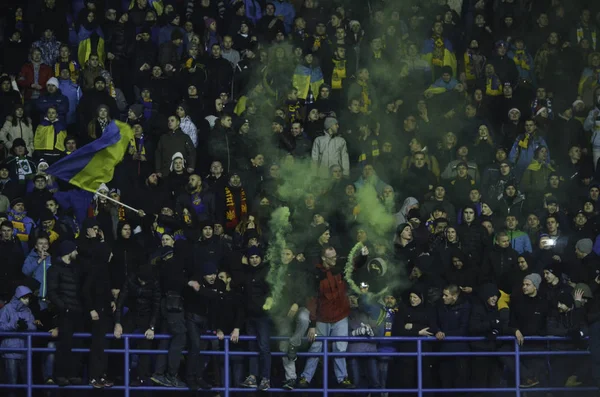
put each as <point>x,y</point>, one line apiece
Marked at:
<point>128,256</point>
<point>10,315</point>
<point>486,320</point>
<point>330,150</point>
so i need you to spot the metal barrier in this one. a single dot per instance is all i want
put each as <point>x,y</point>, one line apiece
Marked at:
<point>325,354</point>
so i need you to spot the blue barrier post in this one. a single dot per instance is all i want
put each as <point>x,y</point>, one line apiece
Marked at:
<point>419,368</point>
<point>126,375</point>
<point>29,371</point>
<point>226,367</point>
<point>517,369</point>
<point>325,367</point>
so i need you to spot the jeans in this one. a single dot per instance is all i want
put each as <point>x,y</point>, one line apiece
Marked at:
<point>174,325</point>
<point>196,325</point>
<point>14,368</point>
<point>261,328</point>
<point>383,364</point>
<point>339,328</point>
<point>369,366</point>
<point>596,156</point>
<point>48,362</point>
<point>302,322</point>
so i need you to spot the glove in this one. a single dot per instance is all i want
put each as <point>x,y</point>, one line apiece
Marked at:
<point>369,330</point>
<point>360,331</point>
<point>21,325</point>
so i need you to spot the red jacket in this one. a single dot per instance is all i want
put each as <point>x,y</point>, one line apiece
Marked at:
<point>26,75</point>
<point>331,303</point>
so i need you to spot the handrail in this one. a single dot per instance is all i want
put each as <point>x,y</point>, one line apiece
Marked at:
<point>325,390</point>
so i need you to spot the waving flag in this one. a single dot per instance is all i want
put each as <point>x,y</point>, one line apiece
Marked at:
<point>94,164</point>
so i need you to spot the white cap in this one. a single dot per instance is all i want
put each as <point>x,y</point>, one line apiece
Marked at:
<point>53,81</point>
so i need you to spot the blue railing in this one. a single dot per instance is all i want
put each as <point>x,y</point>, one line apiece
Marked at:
<point>325,354</point>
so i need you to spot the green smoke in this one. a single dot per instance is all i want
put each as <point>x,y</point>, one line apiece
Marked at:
<point>279,225</point>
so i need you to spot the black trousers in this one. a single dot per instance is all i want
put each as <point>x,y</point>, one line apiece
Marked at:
<point>68,364</point>
<point>196,325</point>
<point>98,357</point>
<point>174,325</point>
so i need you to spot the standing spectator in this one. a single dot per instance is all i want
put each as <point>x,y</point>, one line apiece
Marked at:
<point>452,319</point>
<point>64,282</point>
<point>331,314</point>
<point>258,324</point>
<point>16,316</point>
<point>174,141</point>
<point>34,76</point>
<point>330,149</point>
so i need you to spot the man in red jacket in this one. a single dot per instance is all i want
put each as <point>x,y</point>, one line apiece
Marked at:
<point>332,310</point>
<point>34,75</point>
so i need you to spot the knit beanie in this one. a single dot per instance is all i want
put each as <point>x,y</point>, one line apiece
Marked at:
<point>585,245</point>
<point>535,279</point>
<point>329,122</point>
<point>209,268</point>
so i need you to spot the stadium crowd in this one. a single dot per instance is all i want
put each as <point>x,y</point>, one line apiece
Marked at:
<point>474,125</point>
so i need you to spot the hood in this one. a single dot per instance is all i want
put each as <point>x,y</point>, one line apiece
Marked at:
<point>408,202</point>
<point>488,290</point>
<point>22,291</point>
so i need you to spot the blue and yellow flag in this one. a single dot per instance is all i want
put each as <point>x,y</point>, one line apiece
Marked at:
<point>306,79</point>
<point>94,163</point>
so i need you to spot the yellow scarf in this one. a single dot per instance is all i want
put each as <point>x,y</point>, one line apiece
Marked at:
<point>520,59</point>
<point>365,100</point>
<point>339,74</point>
<point>536,166</point>
<point>437,56</point>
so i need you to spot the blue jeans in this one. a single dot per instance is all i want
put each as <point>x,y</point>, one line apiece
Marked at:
<point>15,367</point>
<point>367,365</point>
<point>261,328</point>
<point>328,329</point>
<point>301,323</point>
<point>48,362</point>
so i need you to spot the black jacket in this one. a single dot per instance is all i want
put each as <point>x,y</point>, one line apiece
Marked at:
<point>128,256</point>
<point>528,314</point>
<point>256,289</point>
<point>498,266</point>
<point>96,287</point>
<point>143,301</point>
<point>207,250</point>
<point>473,239</point>
<point>452,320</point>
<point>64,286</point>
<point>486,320</point>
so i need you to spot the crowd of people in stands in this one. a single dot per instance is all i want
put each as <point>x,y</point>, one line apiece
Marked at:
<point>438,158</point>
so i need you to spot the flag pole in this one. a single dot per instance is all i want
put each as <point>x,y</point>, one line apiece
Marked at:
<point>117,202</point>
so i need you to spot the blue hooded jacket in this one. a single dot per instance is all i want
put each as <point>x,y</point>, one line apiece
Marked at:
<point>10,314</point>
